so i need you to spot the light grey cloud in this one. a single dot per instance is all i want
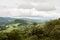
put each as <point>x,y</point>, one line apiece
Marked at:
<point>36,0</point>
<point>25,6</point>
<point>14,12</point>
<point>21,13</point>
<point>40,0</point>
<point>45,7</point>
<point>36,8</point>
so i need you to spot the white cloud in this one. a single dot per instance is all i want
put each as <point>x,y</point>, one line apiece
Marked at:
<point>38,8</point>
<point>26,6</point>
<point>37,1</point>
<point>45,7</point>
<point>14,12</point>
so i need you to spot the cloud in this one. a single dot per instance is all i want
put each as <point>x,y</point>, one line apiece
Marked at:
<point>45,7</point>
<point>30,8</point>
<point>36,1</point>
<point>25,6</point>
<point>28,13</point>
<point>14,12</point>
<point>41,14</point>
<point>40,0</point>
<point>38,6</point>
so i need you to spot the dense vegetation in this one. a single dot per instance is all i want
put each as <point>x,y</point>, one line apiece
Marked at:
<point>27,30</point>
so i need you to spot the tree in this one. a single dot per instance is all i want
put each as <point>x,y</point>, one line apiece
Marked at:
<point>14,35</point>
<point>49,26</point>
<point>3,36</point>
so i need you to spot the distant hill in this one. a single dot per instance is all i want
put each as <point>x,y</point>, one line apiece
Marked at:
<point>37,20</point>
<point>7,20</point>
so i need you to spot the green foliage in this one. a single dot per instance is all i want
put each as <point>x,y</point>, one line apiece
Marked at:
<point>3,36</point>
<point>50,26</point>
<point>34,31</point>
<point>14,35</point>
<point>32,38</point>
<point>20,21</point>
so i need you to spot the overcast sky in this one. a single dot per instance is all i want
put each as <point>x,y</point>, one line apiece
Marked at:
<point>30,8</point>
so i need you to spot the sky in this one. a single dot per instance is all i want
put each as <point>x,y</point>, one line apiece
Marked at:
<point>30,8</point>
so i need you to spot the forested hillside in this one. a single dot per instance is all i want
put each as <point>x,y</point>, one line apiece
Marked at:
<point>21,29</point>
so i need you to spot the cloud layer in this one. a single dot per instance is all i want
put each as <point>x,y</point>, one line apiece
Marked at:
<point>30,8</point>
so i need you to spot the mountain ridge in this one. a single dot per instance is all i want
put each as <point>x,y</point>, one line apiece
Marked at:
<point>4,20</point>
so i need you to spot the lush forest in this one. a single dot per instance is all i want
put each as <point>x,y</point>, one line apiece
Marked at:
<point>28,30</point>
